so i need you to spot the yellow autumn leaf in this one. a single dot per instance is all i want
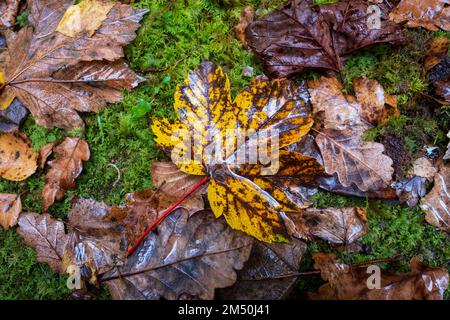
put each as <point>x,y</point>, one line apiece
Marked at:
<point>17,159</point>
<point>6,96</point>
<point>84,17</point>
<point>217,136</point>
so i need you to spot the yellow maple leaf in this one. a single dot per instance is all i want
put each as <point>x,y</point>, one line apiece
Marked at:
<point>213,134</point>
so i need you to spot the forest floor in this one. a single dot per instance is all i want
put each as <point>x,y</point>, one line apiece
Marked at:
<point>120,137</point>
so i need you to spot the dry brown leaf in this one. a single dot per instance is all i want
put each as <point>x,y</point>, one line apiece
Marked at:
<point>8,13</point>
<point>335,225</point>
<point>436,203</point>
<point>339,137</point>
<point>143,208</point>
<point>169,179</point>
<point>95,245</point>
<point>56,76</point>
<point>188,258</point>
<point>269,274</point>
<point>247,16</point>
<point>17,159</point>
<point>46,235</point>
<point>429,14</point>
<point>10,208</point>
<point>347,283</point>
<point>377,105</point>
<point>64,169</point>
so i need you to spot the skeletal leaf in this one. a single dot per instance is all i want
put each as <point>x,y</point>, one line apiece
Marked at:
<point>17,159</point>
<point>94,245</point>
<point>339,137</point>
<point>300,35</point>
<point>436,203</point>
<point>143,208</point>
<point>10,208</point>
<point>64,169</point>
<point>335,225</point>
<point>429,14</point>
<point>187,258</point>
<point>347,283</point>
<point>250,196</point>
<point>268,274</point>
<point>46,235</point>
<point>84,17</point>
<point>55,76</point>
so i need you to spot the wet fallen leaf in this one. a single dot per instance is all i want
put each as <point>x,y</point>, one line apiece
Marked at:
<point>169,179</point>
<point>437,50</point>
<point>437,64</point>
<point>8,9</point>
<point>17,159</point>
<point>64,169</point>
<point>269,274</point>
<point>12,117</point>
<point>91,244</point>
<point>44,153</point>
<point>377,105</point>
<point>94,245</point>
<point>250,196</point>
<point>55,76</point>
<point>187,258</point>
<point>143,208</point>
<point>429,14</point>
<point>335,225</point>
<point>339,137</point>
<point>350,283</point>
<point>301,35</point>
<point>46,235</point>
<point>247,16</point>
<point>10,208</point>
<point>436,203</point>
<point>84,17</point>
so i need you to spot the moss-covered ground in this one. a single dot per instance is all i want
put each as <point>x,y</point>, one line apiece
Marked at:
<point>120,137</point>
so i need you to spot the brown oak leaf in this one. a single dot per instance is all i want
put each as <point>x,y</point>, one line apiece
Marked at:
<point>64,169</point>
<point>429,14</point>
<point>351,283</point>
<point>10,208</point>
<point>300,35</point>
<point>55,75</point>
<point>189,257</point>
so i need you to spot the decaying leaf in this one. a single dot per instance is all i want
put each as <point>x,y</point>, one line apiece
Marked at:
<point>247,16</point>
<point>10,208</point>
<point>12,117</point>
<point>335,225</point>
<point>187,258</point>
<point>269,273</point>
<point>437,64</point>
<point>17,159</point>
<point>437,51</point>
<point>339,137</point>
<point>84,17</point>
<point>429,14</point>
<point>250,196</point>
<point>94,245</point>
<point>377,105</point>
<point>91,244</point>
<point>347,283</point>
<point>436,203</point>
<point>46,235</point>
<point>64,169</point>
<point>169,179</point>
<point>44,153</point>
<point>55,76</point>
<point>8,12</point>
<point>301,35</point>
<point>143,208</point>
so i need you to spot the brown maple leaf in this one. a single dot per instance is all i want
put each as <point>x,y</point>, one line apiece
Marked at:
<point>300,35</point>
<point>64,169</point>
<point>349,283</point>
<point>55,75</point>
